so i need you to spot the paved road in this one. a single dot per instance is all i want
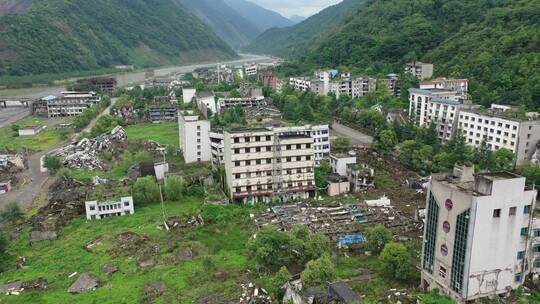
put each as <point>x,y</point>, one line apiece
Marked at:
<point>33,183</point>
<point>357,138</point>
<point>12,114</point>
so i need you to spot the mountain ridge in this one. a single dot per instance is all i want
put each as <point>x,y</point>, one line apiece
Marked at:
<point>56,36</point>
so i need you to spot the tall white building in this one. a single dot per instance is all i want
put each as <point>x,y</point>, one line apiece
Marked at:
<point>499,131</point>
<point>194,137</point>
<point>420,103</point>
<point>262,165</point>
<point>479,239</point>
<point>188,94</point>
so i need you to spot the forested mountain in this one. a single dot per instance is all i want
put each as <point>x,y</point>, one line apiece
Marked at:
<point>226,22</point>
<point>495,43</point>
<point>259,16</point>
<point>293,41</point>
<point>55,36</point>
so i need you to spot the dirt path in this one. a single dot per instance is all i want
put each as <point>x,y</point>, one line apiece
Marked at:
<point>357,138</point>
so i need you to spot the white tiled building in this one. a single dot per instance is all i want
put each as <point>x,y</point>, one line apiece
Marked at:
<point>339,162</point>
<point>99,210</point>
<point>480,238</point>
<point>194,137</point>
<point>420,103</point>
<point>216,147</point>
<point>519,136</point>
<point>262,165</point>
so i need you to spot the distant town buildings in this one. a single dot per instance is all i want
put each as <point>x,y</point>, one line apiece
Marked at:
<point>96,210</point>
<point>262,165</point>
<point>420,70</point>
<point>194,137</point>
<point>70,103</point>
<point>104,84</point>
<point>224,104</point>
<point>480,235</point>
<point>251,69</point>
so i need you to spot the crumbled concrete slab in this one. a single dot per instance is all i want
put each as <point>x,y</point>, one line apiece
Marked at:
<point>84,283</point>
<point>109,269</point>
<point>43,236</point>
<point>12,287</point>
<point>147,262</point>
<point>154,290</point>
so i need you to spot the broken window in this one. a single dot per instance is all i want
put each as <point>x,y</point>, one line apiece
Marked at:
<point>442,272</point>
<point>512,211</point>
<point>521,255</point>
<point>497,213</point>
<point>524,231</point>
<point>527,209</point>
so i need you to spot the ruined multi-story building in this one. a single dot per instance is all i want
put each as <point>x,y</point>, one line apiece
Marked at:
<point>480,235</point>
<point>70,103</point>
<point>194,137</point>
<point>419,69</point>
<point>262,165</point>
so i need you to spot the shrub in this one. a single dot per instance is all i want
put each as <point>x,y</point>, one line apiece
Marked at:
<point>146,191</point>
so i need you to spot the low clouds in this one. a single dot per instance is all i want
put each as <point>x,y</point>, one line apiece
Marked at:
<point>296,7</point>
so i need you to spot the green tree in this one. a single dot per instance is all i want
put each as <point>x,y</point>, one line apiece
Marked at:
<point>483,156</point>
<point>3,244</point>
<point>343,143</point>
<point>385,142</point>
<point>146,191</point>
<point>532,173</point>
<point>174,188</point>
<point>376,238</point>
<point>319,272</point>
<point>11,214</point>
<point>271,248</point>
<point>396,261</point>
<point>52,163</point>
<point>320,176</point>
<point>504,159</point>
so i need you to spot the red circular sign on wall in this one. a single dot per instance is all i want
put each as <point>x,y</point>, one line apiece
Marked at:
<point>449,204</point>
<point>446,226</point>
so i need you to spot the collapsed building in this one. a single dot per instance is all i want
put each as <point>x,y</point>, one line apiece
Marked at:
<point>85,153</point>
<point>341,221</point>
<point>164,109</point>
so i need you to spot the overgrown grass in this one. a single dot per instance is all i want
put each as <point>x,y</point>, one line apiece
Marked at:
<point>164,133</point>
<point>45,140</point>
<point>186,281</point>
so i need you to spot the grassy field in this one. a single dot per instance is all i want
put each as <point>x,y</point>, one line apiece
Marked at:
<point>186,280</point>
<point>164,133</point>
<point>47,139</point>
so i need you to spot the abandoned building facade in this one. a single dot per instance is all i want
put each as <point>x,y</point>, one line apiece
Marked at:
<point>98,210</point>
<point>478,237</point>
<point>194,137</point>
<point>68,104</point>
<point>263,164</point>
<point>419,69</point>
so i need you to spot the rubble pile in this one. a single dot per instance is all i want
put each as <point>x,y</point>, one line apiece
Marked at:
<point>154,146</point>
<point>66,202</point>
<point>84,283</point>
<point>335,222</point>
<point>252,294</point>
<point>85,153</point>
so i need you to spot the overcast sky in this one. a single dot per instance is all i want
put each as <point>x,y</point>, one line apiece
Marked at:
<point>288,8</point>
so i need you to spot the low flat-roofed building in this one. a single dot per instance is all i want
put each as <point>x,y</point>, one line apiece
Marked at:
<point>96,210</point>
<point>419,69</point>
<point>337,184</point>
<point>339,162</point>
<point>30,130</point>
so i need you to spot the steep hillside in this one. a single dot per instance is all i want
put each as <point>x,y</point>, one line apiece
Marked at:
<point>293,41</point>
<point>226,22</point>
<point>56,36</point>
<point>259,16</point>
<point>494,43</point>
